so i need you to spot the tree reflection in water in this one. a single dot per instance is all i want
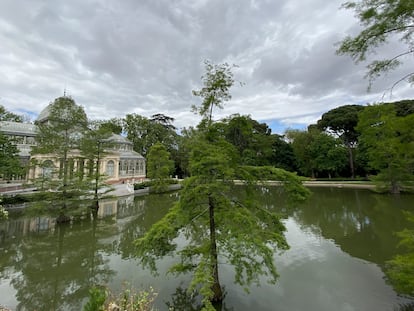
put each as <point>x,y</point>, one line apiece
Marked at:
<point>183,300</point>
<point>59,263</point>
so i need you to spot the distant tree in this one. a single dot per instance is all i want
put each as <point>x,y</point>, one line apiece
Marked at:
<point>341,122</point>
<point>94,145</point>
<point>164,120</point>
<point>301,142</point>
<point>382,20</point>
<point>329,155</point>
<point>159,167</point>
<point>317,153</point>
<point>9,116</point>
<point>403,107</point>
<point>389,142</point>
<point>209,217</point>
<point>113,125</point>
<point>145,132</point>
<point>59,136</point>
<point>283,155</point>
<point>252,139</point>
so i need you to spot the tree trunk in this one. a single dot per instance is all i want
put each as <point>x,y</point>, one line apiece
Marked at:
<point>351,162</point>
<point>216,288</point>
<point>395,187</point>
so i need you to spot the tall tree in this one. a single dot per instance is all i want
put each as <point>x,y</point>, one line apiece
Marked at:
<point>389,141</point>
<point>58,136</point>
<point>94,146</point>
<point>214,224</point>
<point>159,166</point>
<point>341,122</point>
<point>382,20</point>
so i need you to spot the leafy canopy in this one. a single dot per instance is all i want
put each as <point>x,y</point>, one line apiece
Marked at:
<point>383,20</point>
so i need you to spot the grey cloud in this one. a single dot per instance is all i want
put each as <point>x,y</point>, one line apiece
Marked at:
<point>119,57</point>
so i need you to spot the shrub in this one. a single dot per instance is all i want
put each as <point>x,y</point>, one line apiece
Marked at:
<point>128,300</point>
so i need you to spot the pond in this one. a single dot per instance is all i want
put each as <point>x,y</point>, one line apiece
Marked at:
<point>339,241</point>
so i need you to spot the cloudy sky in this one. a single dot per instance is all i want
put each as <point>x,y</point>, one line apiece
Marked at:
<point>146,56</point>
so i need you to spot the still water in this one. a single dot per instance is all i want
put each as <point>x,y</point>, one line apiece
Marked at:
<point>339,241</point>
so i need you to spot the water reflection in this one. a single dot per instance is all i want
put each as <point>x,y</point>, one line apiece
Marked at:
<point>338,240</point>
<point>362,225</point>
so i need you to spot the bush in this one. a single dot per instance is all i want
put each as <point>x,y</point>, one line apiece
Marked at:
<point>128,300</point>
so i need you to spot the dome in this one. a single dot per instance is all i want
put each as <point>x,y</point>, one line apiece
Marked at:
<point>44,114</point>
<point>118,139</point>
<point>63,100</point>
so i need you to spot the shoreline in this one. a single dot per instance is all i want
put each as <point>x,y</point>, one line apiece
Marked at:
<point>340,184</point>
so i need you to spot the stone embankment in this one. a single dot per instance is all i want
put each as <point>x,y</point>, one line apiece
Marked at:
<point>340,184</point>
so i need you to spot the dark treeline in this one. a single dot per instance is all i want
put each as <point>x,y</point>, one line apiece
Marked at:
<point>351,141</point>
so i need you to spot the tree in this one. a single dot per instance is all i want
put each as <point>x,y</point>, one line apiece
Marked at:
<point>283,155</point>
<point>341,122</point>
<point>252,139</point>
<point>300,141</point>
<point>217,81</point>
<point>113,125</point>
<point>159,166</point>
<point>213,223</point>
<point>9,116</point>
<point>59,136</point>
<point>94,146</point>
<point>328,153</point>
<point>383,20</point>
<point>9,158</point>
<point>389,141</point>
<point>145,132</point>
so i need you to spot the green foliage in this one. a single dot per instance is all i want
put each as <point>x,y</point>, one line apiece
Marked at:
<point>217,82</point>
<point>9,116</point>
<point>94,146</point>
<point>144,132</point>
<point>128,300</point>
<point>113,125</point>
<point>96,300</point>
<point>389,144</point>
<point>214,224</point>
<point>317,152</point>
<point>342,122</point>
<point>252,139</point>
<point>159,167</point>
<point>61,133</point>
<point>9,158</point>
<point>400,269</point>
<point>382,19</point>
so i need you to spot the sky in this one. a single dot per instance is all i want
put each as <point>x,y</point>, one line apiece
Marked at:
<point>146,56</point>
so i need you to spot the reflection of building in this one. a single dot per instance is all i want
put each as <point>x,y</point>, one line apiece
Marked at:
<point>120,162</point>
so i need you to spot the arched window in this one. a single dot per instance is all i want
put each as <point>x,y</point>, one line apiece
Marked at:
<point>47,169</point>
<point>110,168</point>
